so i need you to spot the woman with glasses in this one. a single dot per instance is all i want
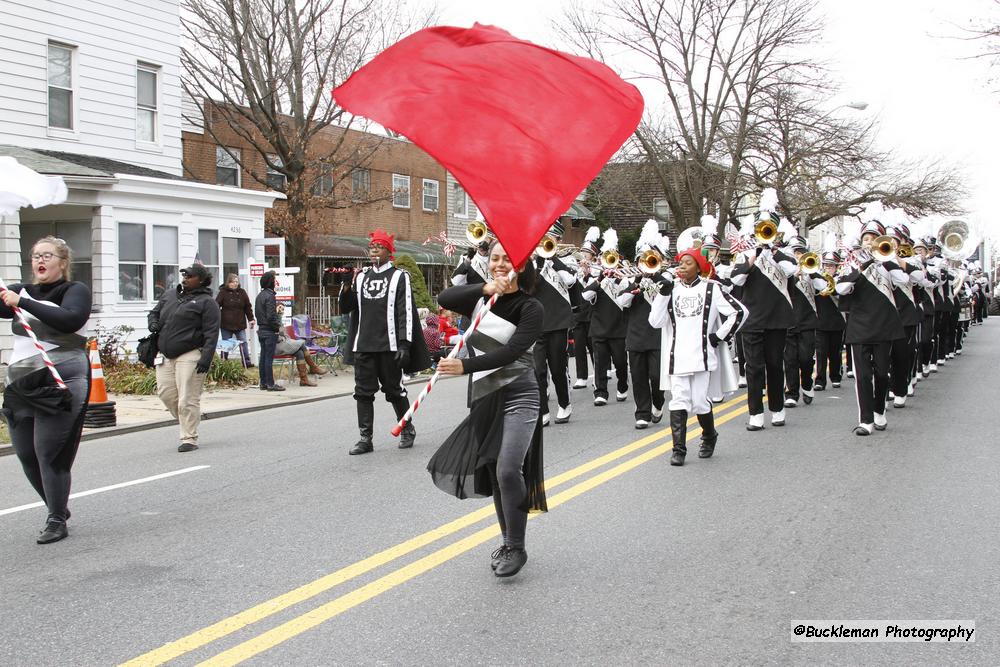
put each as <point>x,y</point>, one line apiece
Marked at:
<point>46,421</point>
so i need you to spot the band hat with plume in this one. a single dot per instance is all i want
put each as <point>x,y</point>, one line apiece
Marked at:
<point>872,219</point>
<point>557,229</point>
<point>786,230</point>
<point>895,222</point>
<point>710,228</point>
<point>648,237</point>
<point>830,254</point>
<point>768,207</point>
<point>663,244</point>
<point>590,240</point>
<point>852,232</point>
<point>610,240</point>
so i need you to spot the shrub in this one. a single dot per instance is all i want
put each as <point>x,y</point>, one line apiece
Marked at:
<point>111,343</point>
<point>129,377</point>
<point>417,282</point>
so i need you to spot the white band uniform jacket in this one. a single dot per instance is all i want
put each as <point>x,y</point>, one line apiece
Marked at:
<point>686,317</point>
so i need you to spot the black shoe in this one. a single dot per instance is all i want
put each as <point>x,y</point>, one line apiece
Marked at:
<point>55,530</point>
<point>676,459</point>
<point>511,562</point>
<point>709,436</point>
<point>807,399</point>
<point>262,387</point>
<point>678,431</point>
<point>407,437</point>
<point>362,447</point>
<point>276,387</point>
<point>187,447</point>
<point>498,557</point>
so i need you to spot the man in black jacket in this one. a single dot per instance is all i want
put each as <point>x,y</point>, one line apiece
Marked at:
<point>186,320</point>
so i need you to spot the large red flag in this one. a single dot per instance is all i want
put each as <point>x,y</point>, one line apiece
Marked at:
<point>523,128</point>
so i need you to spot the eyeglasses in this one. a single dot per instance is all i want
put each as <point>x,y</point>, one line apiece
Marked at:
<point>42,256</point>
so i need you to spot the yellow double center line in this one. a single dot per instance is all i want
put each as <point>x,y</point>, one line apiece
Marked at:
<point>325,612</point>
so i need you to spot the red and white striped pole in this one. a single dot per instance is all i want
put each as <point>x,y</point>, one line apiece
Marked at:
<point>398,428</point>
<point>31,334</point>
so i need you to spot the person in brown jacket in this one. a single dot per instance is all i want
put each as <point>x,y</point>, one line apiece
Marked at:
<point>237,313</point>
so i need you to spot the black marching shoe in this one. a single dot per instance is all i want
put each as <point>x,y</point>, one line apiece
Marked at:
<point>55,530</point>
<point>709,436</point>
<point>187,447</point>
<point>362,446</point>
<point>511,562</point>
<point>407,437</point>
<point>498,557</point>
<point>678,429</point>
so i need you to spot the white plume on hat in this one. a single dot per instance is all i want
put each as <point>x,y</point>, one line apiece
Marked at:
<point>593,234</point>
<point>894,217</point>
<point>649,236</point>
<point>830,242</point>
<point>787,228</point>
<point>610,240</point>
<point>873,211</point>
<point>663,245</point>
<point>746,225</point>
<point>852,231</point>
<point>709,224</point>
<point>768,200</point>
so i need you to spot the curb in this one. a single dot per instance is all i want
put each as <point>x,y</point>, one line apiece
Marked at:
<point>7,450</point>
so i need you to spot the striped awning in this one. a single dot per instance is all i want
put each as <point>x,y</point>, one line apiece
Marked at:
<point>333,246</point>
<point>578,211</point>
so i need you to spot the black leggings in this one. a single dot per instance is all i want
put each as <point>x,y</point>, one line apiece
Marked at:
<point>46,444</point>
<point>509,489</point>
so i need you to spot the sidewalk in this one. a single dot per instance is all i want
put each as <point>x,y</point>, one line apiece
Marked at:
<point>138,413</point>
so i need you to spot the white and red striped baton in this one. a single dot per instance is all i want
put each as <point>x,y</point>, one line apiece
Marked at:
<point>31,334</point>
<point>398,428</point>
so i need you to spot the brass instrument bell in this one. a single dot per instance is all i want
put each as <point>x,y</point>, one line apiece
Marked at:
<point>765,231</point>
<point>809,263</point>
<point>476,232</point>
<point>610,259</point>
<point>547,247</point>
<point>649,262</point>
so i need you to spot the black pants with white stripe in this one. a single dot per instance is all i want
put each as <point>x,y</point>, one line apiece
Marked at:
<point>584,349</point>
<point>901,367</point>
<point>645,368</point>
<point>800,357</point>
<point>829,353</point>
<point>551,357</point>
<point>871,378</point>
<point>765,363</point>
<point>606,352</point>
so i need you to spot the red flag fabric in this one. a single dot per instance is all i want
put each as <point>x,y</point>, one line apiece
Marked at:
<point>523,128</point>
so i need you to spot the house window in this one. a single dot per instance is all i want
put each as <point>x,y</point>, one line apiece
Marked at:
<point>76,233</point>
<point>166,269</point>
<point>461,203</point>
<point>131,262</point>
<point>323,184</point>
<point>61,86</point>
<point>208,253</point>
<point>661,209</point>
<point>227,166</point>
<point>400,191</point>
<point>361,184</point>
<point>275,179</point>
<point>430,195</point>
<point>146,84</point>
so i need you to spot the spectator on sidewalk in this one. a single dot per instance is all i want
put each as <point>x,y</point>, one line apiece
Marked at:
<point>187,320</point>
<point>237,315</point>
<point>304,360</point>
<point>268,326</point>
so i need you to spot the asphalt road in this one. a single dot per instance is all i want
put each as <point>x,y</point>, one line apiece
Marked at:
<point>271,546</point>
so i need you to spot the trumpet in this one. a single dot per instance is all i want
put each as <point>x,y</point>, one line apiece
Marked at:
<point>883,249</point>
<point>476,232</point>
<point>809,263</point>
<point>765,231</point>
<point>650,262</point>
<point>610,259</point>
<point>831,284</point>
<point>547,247</point>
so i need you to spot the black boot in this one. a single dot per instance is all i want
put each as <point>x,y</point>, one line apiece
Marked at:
<point>366,425</point>
<point>678,428</point>
<point>709,436</point>
<point>401,405</point>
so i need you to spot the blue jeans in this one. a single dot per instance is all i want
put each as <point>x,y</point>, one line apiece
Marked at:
<point>268,341</point>
<point>240,335</point>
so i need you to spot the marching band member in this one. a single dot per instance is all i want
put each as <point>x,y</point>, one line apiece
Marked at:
<point>763,274</point>
<point>872,325</point>
<point>943,334</point>
<point>830,324</point>
<point>550,352</point>
<point>642,341</point>
<point>924,293</point>
<point>903,349</point>
<point>607,328</point>
<point>384,338</point>
<point>695,316</point>
<point>588,268</point>
<point>800,342</point>
<point>473,269</point>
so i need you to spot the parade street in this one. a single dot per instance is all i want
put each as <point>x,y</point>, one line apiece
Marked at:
<point>271,545</point>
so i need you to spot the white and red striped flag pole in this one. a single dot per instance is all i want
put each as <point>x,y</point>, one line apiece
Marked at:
<point>398,428</point>
<point>31,334</point>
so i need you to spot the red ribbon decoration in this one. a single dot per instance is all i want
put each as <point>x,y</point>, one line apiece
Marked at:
<point>523,128</point>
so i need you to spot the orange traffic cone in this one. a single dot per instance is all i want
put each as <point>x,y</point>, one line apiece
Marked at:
<point>100,411</point>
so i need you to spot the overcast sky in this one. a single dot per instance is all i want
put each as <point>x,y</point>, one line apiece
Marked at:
<point>896,55</point>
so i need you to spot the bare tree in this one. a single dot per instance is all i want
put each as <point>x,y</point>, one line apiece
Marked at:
<point>823,165</point>
<point>265,69</point>
<point>713,60</point>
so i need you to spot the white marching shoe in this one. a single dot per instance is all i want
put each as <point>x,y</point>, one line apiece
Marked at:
<point>657,415</point>
<point>621,396</point>
<point>778,418</point>
<point>743,381</point>
<point>562,415</point>
<point>581,383</point>
<point>863,429</point>
<point>932,368</point>
<point>790,403</point>
<point>756,422</point>
<point>899,402</point>
<point>880,421</point>
<point>545,419</point>
<point>641,424</point>
<point>600,400</point>
<point>912,389</point>
<point>850,374</point>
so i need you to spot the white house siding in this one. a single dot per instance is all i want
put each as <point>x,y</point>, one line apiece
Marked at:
<point>111,38</point>
<point>456,224</point>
